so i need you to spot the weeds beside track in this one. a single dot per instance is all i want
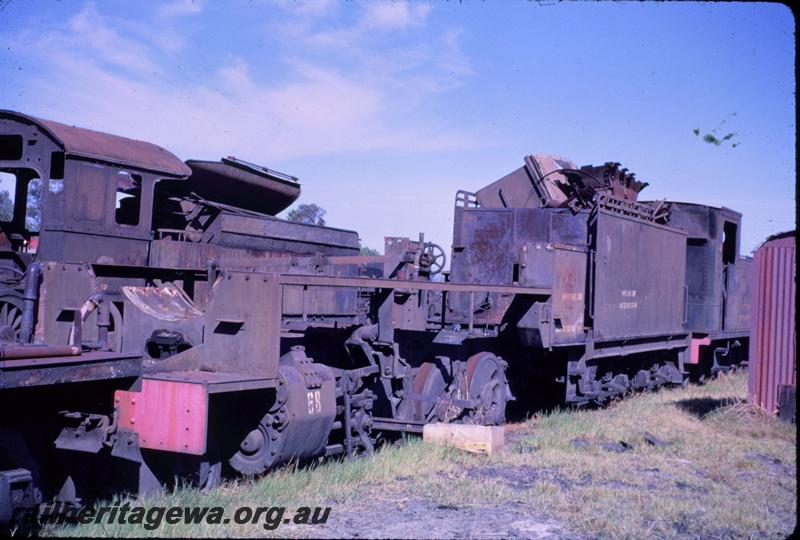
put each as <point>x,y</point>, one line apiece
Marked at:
<point>726,471</point>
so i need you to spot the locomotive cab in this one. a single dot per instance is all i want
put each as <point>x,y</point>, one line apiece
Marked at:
<point>717,286</point>
<point>716,275</point>
<point>78,195</point>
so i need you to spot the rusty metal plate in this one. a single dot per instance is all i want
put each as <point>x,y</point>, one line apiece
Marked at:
<point>168,416</point>
<point>569,289</point>
<point>639,271</point>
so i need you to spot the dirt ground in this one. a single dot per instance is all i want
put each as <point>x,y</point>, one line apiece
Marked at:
<point>409,517</point>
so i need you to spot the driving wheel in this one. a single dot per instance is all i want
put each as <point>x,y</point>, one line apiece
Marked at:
<point>10,318</point>
<point>486,382</point>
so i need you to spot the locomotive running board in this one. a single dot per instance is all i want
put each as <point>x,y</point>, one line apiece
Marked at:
<point>88,366</point>
<point>215,382</point>
<point>388,284</point>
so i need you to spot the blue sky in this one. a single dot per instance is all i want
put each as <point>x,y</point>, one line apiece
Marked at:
<point>384,109</point>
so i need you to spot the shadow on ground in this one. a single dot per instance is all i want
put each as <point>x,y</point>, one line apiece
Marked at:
<point>700,407</point>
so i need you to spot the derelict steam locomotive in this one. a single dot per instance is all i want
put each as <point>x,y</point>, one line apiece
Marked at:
<point>156,318</point>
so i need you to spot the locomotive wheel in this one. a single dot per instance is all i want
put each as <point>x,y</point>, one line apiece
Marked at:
<point>254,452</point>
<point>486,381</point>
<point>10,318</point>
<point>260,448</point>
<point>428,381</point>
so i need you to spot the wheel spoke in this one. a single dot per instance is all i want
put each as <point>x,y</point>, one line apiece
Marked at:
<point>10,318</point>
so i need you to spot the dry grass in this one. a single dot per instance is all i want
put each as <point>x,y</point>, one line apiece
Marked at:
<point>727,472</point>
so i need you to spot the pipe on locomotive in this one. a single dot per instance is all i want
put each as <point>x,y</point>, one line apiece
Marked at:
<point>30,296</point>
<point>97,301</point>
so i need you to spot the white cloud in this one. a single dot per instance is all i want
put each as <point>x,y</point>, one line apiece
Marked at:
<point>236,76</point>
<point>309,8</point>
<point>374,21</point>
<point>395,14</point>
<point>112,79</point>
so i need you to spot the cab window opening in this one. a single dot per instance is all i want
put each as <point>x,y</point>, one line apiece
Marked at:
<point>12,187</point>
<point>8,192</point>
<point>11,147</point>
<point>20,209</point>
<point>729,232</point>
<point>128,198</point>
<point>33,206</point>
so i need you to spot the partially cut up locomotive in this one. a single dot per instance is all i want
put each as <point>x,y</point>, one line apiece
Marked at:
<point>157,318</point>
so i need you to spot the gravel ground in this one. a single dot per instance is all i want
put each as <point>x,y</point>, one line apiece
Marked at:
<point>422,518</point>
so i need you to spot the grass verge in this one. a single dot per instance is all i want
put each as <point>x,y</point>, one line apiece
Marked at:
<point>725,471</point>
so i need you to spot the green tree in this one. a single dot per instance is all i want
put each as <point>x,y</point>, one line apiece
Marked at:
<point>368,251</point>
<point>310,214</point>
<point>6,206</point>
<point>33,212</point>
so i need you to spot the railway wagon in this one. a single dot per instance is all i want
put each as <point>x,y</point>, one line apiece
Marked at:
<point>157,318</point>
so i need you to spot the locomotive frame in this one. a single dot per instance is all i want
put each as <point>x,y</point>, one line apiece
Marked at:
<point>167,323</point>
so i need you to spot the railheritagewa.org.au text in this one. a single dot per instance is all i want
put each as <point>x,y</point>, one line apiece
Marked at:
<point>153,517</point>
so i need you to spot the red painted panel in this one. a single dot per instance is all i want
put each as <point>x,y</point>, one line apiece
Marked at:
<point>694,349</point>
<point>773,349</point>
<point>169,416</point>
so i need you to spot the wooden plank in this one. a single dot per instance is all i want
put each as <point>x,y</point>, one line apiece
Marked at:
<point>478,439</point>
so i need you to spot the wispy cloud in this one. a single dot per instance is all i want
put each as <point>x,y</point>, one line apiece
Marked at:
<point>308,8</point>
<point>94,34</point>
<point>110,73</point>
<point>180,8</point>
<point>395,15</point>
<point>375,17</point>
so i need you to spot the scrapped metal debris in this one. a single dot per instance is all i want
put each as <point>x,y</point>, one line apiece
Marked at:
<point>580,443</point>
<point>654,441</point>
<point>167,303</point>
<point>619,447</point>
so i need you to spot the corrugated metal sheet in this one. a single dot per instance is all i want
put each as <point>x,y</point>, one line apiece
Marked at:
<point>773,360</point>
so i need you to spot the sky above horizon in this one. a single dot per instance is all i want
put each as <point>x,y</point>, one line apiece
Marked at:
<point>384,109</point>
